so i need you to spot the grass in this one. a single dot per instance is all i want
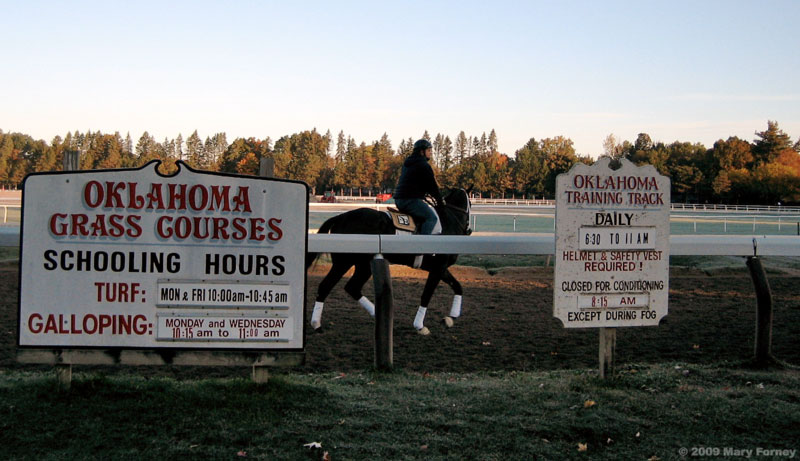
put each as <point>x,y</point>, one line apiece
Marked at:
<point>645,411</point>
<point>9,253</point>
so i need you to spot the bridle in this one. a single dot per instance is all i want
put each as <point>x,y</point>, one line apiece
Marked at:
<point>464,211</point>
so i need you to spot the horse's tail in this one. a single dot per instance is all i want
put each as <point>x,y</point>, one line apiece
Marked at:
<point>325,228</point>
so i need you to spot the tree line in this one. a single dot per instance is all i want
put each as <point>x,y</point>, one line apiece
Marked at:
<point>765,170</point>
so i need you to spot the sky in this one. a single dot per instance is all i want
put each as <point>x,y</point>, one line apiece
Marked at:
<point>689,71</point>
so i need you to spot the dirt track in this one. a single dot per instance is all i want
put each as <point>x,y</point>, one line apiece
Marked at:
<point>507,324</point>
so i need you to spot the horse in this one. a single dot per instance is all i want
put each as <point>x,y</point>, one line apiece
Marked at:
<point>455,220</point>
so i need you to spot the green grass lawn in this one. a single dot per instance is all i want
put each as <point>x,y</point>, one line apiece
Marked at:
<point>644,411</point>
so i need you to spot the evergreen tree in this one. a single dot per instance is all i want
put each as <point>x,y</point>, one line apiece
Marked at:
<point>179,147</point>
<point>195,154</point>
<point>341,147</point>
<point>770,144</point>
<point>492,142</point>
<point>461,148</point>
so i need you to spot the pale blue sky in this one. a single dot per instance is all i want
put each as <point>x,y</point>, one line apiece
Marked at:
<point>691,71</point>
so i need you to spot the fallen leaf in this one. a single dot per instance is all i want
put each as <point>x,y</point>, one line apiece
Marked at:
<point>423,447</point>
<point>583,447</point>
<point>313,445</point>
<point>589,404</point>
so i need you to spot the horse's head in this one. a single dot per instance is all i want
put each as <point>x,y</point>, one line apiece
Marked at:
<point>458,206</point>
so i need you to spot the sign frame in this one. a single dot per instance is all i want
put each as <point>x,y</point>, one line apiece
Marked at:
<point>257,351</point>
<point>611,246</point>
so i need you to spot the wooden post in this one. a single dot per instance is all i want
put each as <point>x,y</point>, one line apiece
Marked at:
<point>384,313</point>
<point>266,168</point>
<point>64,376</point>
<point>260,374</point>
<point>608,344</point>
<point>70,160</point>
<point>763,343</point>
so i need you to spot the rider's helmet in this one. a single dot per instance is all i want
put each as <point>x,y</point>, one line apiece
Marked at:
<point>421,146</point>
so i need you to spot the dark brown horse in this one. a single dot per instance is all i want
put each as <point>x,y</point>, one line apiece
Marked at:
<point>454,219</point>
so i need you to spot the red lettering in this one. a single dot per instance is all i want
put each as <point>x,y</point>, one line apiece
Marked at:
<point>276,233</point>
<point>113,197</point>
<point>197,231</point>
<point>79,222</point>
<point>93,194</point>
<point>134,229</point>
<point>177,200</point>
<point>242,200</point>
<point>220,229</point>
<point>241,231</point>
<point>56,228</point>
<point>134,201</point>
<point>35,323</point>
<point>256,229</point>
<point>163,232</point>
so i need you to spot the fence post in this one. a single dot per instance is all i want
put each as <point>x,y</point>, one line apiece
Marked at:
<point>384,313</point>
<point>763,342</point>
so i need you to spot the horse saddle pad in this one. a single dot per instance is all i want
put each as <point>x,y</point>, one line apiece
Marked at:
<point>402,221</point>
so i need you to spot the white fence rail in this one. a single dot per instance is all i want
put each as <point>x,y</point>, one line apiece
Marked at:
<point>542,244</point>
<point>507,244</point>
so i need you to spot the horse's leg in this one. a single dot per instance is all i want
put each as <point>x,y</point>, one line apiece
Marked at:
<point>338,269</point>
<point>356,283</point>
<point>434,277</point>
<point>455,308</point>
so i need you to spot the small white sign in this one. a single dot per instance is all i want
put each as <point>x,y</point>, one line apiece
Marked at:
<point>617,238</point>
<point>612,246</point>
<point>199,327</point>
<point>221,294</point>
<point>136,259</point>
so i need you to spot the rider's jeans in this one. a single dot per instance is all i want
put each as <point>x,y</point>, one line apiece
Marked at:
<point>419,210</point>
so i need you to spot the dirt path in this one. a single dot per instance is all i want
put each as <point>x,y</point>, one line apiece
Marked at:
<point>507,324</point>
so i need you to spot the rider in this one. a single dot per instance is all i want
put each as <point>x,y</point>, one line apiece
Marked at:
<point>416,180</point>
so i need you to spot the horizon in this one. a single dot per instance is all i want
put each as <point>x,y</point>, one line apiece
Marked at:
<point>683,72</point>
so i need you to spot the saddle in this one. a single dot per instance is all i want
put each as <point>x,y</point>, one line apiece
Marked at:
<point>403,224</point>
<point>402,221</point>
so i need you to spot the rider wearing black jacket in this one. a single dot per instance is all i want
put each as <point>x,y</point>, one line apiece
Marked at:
<point>416,180</point>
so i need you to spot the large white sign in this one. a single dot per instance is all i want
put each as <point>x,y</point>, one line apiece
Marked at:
<point>134,259</point>
<point>612,246</point>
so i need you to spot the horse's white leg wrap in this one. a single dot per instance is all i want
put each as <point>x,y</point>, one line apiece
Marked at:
<point>419,320</point>
<point>316,315</point>
<point>367,305</point>
<point>455,309</point>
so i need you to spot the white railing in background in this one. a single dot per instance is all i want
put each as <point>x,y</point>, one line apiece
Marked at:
<point>541,244</point>
<point>5,211</point>
<point>502,243</point>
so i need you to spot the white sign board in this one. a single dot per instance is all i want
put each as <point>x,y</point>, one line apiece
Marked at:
<point>612,246</point>
<point>134,259</point>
